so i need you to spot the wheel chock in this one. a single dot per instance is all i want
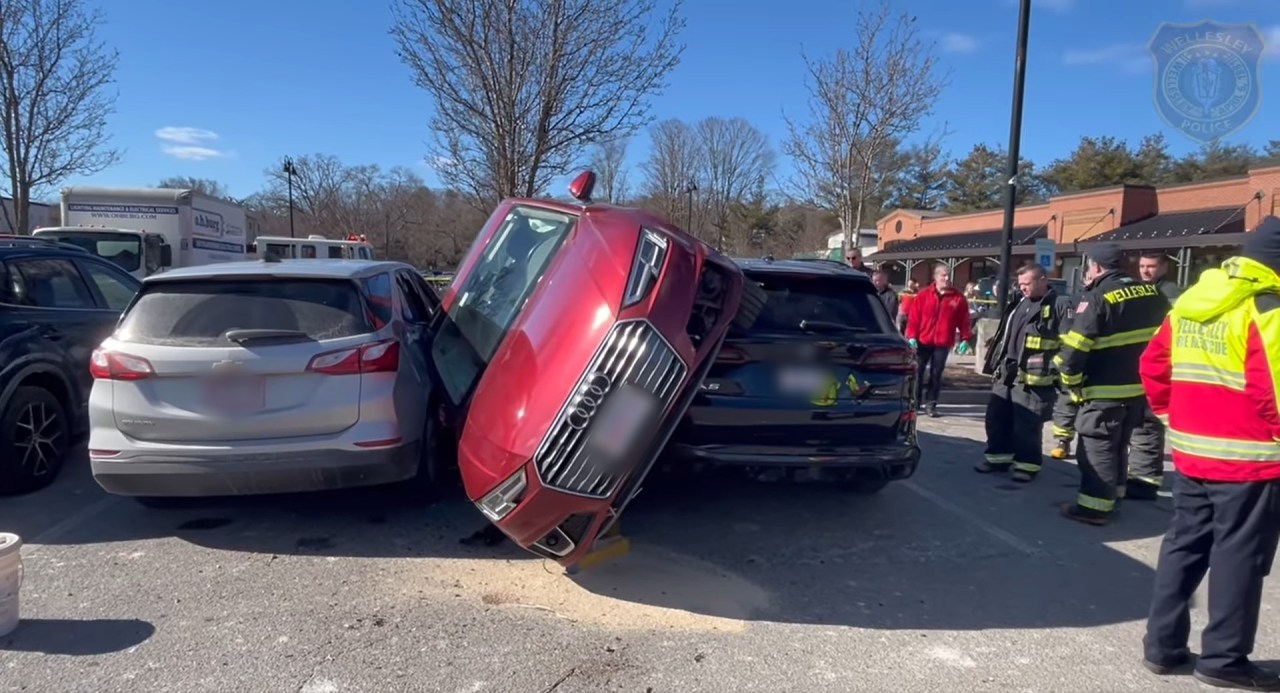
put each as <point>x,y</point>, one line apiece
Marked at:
<point>607,548</point>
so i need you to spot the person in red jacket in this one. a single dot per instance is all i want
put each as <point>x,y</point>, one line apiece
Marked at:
<point>1210,374</point>
<point>937,314</point>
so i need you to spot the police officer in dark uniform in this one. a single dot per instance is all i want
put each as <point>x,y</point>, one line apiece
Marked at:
<point>1098,364</point>
<point>1024,387</point>
<point>1146,447</point>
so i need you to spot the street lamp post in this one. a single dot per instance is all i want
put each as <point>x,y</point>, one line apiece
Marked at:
<point>689,189</point>
<point>1015,141</point>
<point>290,171</point>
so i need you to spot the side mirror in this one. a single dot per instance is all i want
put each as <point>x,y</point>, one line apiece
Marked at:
<point>166,255</point>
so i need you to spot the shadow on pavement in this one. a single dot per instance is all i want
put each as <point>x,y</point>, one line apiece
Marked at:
<point>77,638</point>
<point>948,549</point>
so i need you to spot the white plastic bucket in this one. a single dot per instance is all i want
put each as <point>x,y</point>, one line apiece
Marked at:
<point>10,581</point>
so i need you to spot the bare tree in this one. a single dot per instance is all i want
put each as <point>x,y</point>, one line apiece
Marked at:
<point>608,161</point>
<point>54,79</point>
<point>212,188</point>
<point>523,87</point>
<point>863,104</point>
<point>674,162</point>
<point>735,160</point>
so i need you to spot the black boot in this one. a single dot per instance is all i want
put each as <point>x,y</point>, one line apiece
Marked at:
<point>933,409</point>
<point>1140,490</point>
<point>1250,677</point>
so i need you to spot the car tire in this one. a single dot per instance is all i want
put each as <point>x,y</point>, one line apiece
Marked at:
<point>753,301</point>
<point>34,435</point>
<point>433,476</point>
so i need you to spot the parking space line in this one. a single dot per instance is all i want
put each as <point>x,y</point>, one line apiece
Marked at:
<point>1006,537</point>
<point>33,545</point>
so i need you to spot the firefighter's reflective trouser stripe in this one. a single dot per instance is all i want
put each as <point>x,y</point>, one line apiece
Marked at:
<point>1064,418</point>
<point>1015,422</point>
<point>1104,427</point>
<point>1146,450</point>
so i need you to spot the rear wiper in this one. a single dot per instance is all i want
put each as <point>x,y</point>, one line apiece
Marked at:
<point>827,326</point>
<point>242,336</point>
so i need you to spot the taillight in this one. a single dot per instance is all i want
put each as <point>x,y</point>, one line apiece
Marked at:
<point>729,354</point>
<point>112,365</point>
<point>892,359</point>
<point>379,357</point>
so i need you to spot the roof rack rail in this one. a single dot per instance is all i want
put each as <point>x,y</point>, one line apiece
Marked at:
<point>10,241</point>
<point>827,260</point>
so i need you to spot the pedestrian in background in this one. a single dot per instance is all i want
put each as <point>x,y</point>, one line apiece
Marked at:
<point>854,258</point>
<point>1146,446</point>
<point>1098,365</point>
<point>1210,373</point>
<point>938,314</point>
<point>904,304</point>
<point>884,292</point>
<point>1024,384</point>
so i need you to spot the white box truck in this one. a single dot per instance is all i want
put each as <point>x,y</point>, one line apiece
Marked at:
<point>149,230</point>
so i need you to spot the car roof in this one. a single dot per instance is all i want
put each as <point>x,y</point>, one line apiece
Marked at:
<point>300,269</point>
<point>815,267</point>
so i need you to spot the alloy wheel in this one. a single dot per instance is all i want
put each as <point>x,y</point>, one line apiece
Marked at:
<point>37,437</point>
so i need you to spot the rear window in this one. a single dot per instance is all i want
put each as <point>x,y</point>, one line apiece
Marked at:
<point>199,313</point>
<point>828,302</point>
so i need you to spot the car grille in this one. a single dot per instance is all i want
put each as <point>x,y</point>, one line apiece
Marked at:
<point>633,354</point>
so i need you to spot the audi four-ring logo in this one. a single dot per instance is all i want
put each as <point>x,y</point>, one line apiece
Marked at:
<point>588,400</point>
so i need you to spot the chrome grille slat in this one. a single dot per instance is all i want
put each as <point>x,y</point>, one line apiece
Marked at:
<point>635,354</point>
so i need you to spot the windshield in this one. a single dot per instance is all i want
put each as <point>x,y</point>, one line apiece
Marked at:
<point>124,249</point>
<point>494,293</point>
<point>804,303</point>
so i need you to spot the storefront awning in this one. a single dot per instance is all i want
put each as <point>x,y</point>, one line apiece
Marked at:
<point>960,245</point>
<point>1210,227</point>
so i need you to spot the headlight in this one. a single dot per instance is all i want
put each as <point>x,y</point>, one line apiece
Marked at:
<point>646,267</point>
<point>499,502</point>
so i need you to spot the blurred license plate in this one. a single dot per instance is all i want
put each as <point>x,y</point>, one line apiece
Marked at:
<point>235,394</point>
<point>624,416</point>
<point>802,382</point>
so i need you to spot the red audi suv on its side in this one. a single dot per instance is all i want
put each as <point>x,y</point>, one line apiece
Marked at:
<point>568,346</point>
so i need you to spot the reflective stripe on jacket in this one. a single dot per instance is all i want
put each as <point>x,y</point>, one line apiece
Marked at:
<point>1116,317</point>
<point>1210,375</point>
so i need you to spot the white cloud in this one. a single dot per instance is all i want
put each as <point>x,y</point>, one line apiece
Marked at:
<point>959,43</point>
<point>193,153</point>
<point>1131,58</point>
<point>191,144</point>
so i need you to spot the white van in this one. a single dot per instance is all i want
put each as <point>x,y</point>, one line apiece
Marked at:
<point>313,247</point>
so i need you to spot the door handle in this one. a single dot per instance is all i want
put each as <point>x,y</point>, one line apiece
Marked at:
<point>52,334</point>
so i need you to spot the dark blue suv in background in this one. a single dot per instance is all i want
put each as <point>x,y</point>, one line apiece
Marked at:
<point>57,303</point>
<point>821,387</point>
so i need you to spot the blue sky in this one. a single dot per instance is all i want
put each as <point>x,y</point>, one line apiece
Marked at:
<point>224,91</point>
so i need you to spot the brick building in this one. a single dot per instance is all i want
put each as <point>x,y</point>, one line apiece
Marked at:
<point>1197,225</point>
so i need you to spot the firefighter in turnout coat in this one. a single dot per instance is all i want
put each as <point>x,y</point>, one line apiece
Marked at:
<point>1064,409</point>
<point>1098,364</point>
<point>1024,384</point>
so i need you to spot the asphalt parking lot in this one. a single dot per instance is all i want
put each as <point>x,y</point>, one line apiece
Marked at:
<point>949,581</point>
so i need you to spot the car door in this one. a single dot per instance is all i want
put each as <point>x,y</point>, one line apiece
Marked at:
<point>415,317</point>
<point>65,310</point>
<point>416,314</point>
